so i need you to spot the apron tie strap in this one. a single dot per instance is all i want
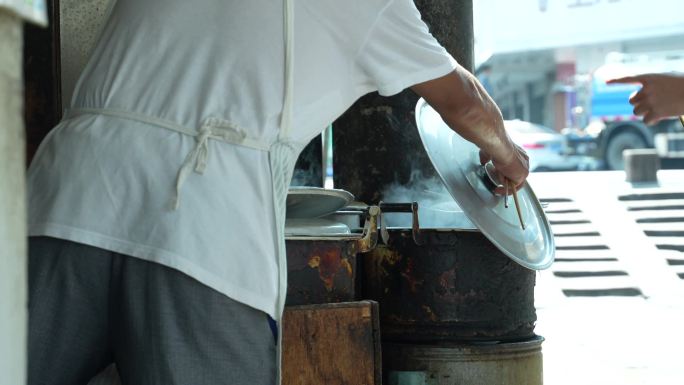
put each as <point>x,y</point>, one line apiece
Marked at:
<point>198,158</point>
<point>212,128</point>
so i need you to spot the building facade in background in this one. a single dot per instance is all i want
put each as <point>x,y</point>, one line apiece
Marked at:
<point>539,56</point>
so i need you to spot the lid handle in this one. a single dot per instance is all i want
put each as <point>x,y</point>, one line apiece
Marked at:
<point>489,176</point>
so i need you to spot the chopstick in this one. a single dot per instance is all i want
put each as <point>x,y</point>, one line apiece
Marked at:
<point>506,194</point>
<point>517,203</point>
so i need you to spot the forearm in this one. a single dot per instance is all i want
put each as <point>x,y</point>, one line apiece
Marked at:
<point>467,108</point>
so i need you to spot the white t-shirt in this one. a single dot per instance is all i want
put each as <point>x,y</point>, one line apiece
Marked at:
<point>165,69</point>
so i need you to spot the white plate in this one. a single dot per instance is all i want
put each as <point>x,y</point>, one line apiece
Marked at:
<point>314,202</point>
<point>457,162</point>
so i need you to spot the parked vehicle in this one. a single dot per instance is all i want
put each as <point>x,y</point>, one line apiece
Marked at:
<point>547,149</point>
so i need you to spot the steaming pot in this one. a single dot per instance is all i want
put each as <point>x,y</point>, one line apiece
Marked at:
<point>436,284</point>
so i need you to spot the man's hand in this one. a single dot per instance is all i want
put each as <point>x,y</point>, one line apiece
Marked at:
<point>466,107</point>
<point>519,166</point>
<point>661,96</point>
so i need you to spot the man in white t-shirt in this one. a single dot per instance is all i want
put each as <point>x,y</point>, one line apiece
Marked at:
<point>157,205</point>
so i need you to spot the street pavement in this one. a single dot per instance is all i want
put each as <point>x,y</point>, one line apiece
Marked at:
<point>611,308</point>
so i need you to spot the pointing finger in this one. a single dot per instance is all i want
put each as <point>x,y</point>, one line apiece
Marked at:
<point>625,79</point>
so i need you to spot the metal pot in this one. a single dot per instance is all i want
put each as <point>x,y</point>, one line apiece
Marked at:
<point>323,268</point>
<point>447,284</point>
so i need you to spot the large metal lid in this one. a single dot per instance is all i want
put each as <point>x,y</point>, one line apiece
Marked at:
<point>457,162</point>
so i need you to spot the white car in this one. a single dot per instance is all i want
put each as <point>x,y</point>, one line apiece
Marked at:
<point>547,149</point>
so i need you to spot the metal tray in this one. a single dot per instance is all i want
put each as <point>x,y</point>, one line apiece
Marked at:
<point>314,227</point>
<point>458,164</point>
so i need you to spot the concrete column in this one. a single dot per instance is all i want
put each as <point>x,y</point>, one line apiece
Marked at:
<point>13,310</point>
<point>80,23</point>
<point>376,143</point>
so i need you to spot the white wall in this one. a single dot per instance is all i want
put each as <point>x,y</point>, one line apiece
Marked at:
<point>13,311</point>
<point>524,25</point>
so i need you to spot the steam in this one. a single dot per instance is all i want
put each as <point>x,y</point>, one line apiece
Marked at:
<point>309,177</point>
<point>436,208</point>
<point>308,169</point>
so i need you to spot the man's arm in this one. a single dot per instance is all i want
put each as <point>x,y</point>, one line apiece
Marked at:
<point>467,108</point>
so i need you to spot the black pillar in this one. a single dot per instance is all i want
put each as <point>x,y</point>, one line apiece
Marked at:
<point>376,143</point>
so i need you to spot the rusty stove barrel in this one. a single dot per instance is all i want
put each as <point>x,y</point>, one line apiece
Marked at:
<point>453,286</point>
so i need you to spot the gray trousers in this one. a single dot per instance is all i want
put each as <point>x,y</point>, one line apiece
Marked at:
<point>89,308</point>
